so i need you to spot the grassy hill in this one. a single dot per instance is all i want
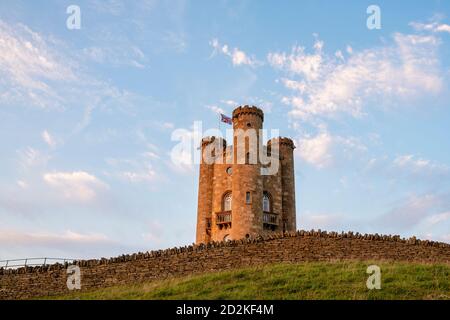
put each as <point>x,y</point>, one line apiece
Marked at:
<point>331,280</point>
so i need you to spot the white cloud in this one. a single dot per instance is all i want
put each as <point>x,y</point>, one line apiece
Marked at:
<point>164,125</point>
<point>298,62</point>
<point>316,150</point>
<point>45,238</point>
<point>293,85</point>
<point>349,50</point>
<point>215,109</point>
<point>134,170</point>
<point>45,72</point>
<point>117,56</point>
<point>176,41</point>
<point>48,138</point>
<point>414,210</point>
<point>433,26</point>
<point>139,176</point>
<point>409,170</point>
<point>150,155</point>
<point>181,161</point>
<point>77,186</point>
<point>22,184</point>
<point>321,150</point>
<point>262,103</point>
<point>22,243</point>
<point>238,57</point>
<point>30,67</point>
<point>230,103</point>
<point>325,85</point>
<point>438,218</point>
<point>112,7</point>
<point>31,157</point>
<point>420,166</point>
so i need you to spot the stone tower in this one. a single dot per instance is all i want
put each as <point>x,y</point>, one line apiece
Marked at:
<point>235,199</point>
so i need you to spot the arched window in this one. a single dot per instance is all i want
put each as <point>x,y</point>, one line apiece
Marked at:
<point>266,202</point>
<point>227,200</point>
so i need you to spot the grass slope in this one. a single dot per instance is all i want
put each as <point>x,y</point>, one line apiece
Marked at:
<point>331,280</point>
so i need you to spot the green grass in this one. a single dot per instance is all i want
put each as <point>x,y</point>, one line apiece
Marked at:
<point>331,280</point>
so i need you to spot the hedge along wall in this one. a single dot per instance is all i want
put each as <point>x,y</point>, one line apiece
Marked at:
<point>297,247</point>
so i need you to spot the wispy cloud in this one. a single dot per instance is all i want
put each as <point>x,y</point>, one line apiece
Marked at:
<point>323,85</point>
<point>438,218</point>
<point>410,168</point>
<point>414,210</point>
<point>299,62</point>
<point>77,186</point>
<point>31,157</point>
<point>42,71</point>
<point>117,56</point>
<point>138,170</point>
<point>432,26</point>
<point>31,68</point>
<point>322,149</point>
<point>215,109</point>
<point>70,244</point>
<point>238,57</point>
<point>111,7</point>
<point>46,238</point>
<point>421,167</point>
<point>49,139</point>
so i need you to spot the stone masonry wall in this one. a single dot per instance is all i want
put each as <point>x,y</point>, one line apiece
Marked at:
<point>295,247</point>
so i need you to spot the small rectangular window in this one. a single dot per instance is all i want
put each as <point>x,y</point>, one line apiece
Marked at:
<point>248,198</point>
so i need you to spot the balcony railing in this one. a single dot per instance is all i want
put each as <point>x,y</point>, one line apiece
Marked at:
<point>223,217</point>
<point>270,218</point>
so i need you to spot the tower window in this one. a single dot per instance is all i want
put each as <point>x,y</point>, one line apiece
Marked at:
<point>229,171</point>
<point>227,201</point>
<point>266,202</point>
<point>248,197</point>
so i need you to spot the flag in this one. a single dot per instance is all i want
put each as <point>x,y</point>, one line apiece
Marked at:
<point>225,119</point>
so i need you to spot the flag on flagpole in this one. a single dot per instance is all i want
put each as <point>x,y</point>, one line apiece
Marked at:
<point>225,119</point>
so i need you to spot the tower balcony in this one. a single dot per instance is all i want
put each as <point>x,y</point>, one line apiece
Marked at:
<point>223,219</point>
<point>270,218</point>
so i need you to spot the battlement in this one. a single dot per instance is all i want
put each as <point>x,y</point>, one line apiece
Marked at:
<point>248,110</point>
<point>282,141</point>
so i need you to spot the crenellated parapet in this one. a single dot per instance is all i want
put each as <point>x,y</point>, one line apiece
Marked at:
<point>248,110</point>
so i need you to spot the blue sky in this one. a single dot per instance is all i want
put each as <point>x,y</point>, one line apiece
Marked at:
<point>87,116</point>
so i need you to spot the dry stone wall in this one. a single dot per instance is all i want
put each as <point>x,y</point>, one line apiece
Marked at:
<point>295,247</point>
